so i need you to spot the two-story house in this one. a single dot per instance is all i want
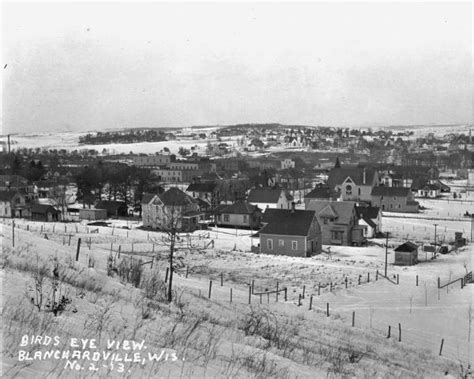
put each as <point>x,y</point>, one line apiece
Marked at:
<point>13,204</point>
<point>172,209</point>
<point>394,199</point>
<point>290,232</point>
<point>339,222</point>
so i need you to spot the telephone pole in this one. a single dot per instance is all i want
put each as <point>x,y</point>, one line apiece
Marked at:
<point>386,253</point>
<point>435,225</point>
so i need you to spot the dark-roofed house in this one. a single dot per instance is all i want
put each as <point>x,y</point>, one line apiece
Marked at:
<point>339,222</point>
<point>290,232</point>
<point>353,183</point>
<point>321,192</point>
<point>370,217</point>
<point>394,199</point>
<point>406,254</point>
<point>113,208</point>
<point>172,209</point>
<point>13,204</point>
<point>44,212</point>
<point>240,214</point>
<point>270,198</point>
<point>206,191</point>
<point>429,190</point>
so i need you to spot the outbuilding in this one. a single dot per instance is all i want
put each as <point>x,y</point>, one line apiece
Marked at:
<point>406,254</point>
<point>92,214</point>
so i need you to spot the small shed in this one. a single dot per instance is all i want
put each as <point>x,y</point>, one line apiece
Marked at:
<point>44,212</point>
<point>406,254</point>
<point>92,214</point>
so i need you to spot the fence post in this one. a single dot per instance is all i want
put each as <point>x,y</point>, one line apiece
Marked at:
<point>166,275</point>
<point>210,288</point>
<point>441,347</point>
<point>299,300</point>
<point>346,281</point>
<point>253,285</point>
<point>319,289</point>
<point>359,279</point>
<point>330,287</point>
<point>439,283</point>
<point>398,279</point>
<point>120,248</point>
<point>417,280</point>
<point>368,277</point>
<point>377,275</point>
<point>231,295</point>
<point>399,332</point>
<point>462,283</point>
<point>327,309</point>
<point>353,318</point>
<point>222,279</point>
<point>250,294</point>
<point>311,302</point>
<point>78,249</point>
<point>277,293</point>
<point>286,294</point>
<point>389,329</point>
<point>304,291</point>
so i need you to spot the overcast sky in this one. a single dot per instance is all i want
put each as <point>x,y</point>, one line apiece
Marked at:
<point>92,66</point>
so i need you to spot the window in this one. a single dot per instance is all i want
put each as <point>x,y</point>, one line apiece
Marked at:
<point>226,218</point>
<point>336,235</point>
<point>325,220</point>
<point>246,218</point>
<point>294,245</point>
<point>391,206</point>
<point>281,243</point>
<point>349,189</point>
<point>270,244</point>
<point>399,206</point>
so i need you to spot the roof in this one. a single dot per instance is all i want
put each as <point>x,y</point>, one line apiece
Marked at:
<point>264,195</point>
<point>7,195</point>
<point>369,212</point>
<point>239,207</point>
<point>287,222</point>
<point>369,222</point>
<point>390,191</point>
<point>341,210</point>
<point>339,175</point>
<point>147,197</point>
<point>432,187</point>
<point>43,208</point>
<point>323,192</point>
<point>407,247</point>
<point>201,187</point>
<point>175,197</point>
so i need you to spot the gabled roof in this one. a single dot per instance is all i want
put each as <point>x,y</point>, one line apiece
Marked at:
<point>264,195</point>
<point>7,195</point>
<point>202,187</point>
<point>341,209</point>
<point>175,197</point>
<point>147,197</point>
<point>287,222</point>
<point>369,222</point>
<point>43,208</point>
<point>390,191</point>
<point>240,207</point>
<point>323,192</point>
<point>338,175</point>
<point>407,247</point>
<point>369,212</point>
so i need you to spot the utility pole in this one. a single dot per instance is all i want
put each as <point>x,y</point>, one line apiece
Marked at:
<point>386,253</point>
<point>435,225</point>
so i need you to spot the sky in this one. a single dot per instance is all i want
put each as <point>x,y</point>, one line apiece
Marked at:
<point>90,66</point>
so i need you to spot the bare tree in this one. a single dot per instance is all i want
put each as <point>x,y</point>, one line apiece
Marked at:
<point>60,198</point>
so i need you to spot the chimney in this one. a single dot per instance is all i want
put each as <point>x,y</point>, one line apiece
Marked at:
<point>292,207</point>
<point>363,176</point>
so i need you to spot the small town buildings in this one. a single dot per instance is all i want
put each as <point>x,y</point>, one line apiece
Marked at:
<point>19,184</point>
<point>371,217</point>
<point>429,190</point>
<point>338,221</point>
<point>206,191</point>
<point>171,210</point>
<point>270,198</point>
<point>113,208</point>
<point>92,214</point>
<point>13,204</point>
<point>151,160</point>
<point>354,183</point>
<point>290,232</point>
<point>241,214</point>
<point>44,212</point>
<point>394,199</point>
<point>406,254</point>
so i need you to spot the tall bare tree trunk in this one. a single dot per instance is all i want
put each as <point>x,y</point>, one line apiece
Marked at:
<point>170,283</point>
